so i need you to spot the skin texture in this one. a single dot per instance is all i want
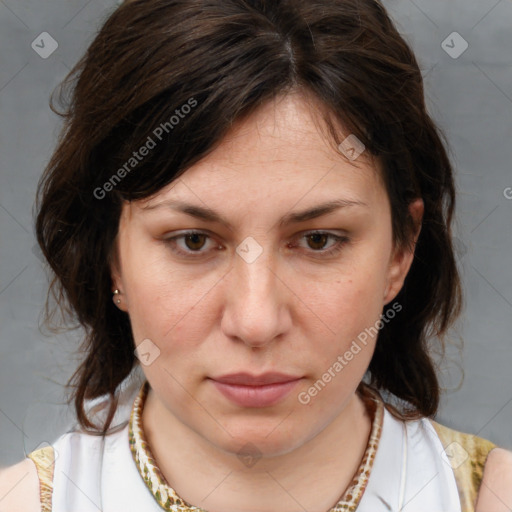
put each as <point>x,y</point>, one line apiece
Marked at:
<point>19,488</point>
<point>291,310</point>
<point>495,493</point>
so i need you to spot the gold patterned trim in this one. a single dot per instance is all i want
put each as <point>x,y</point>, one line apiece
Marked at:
<point>467,454</point>
<point>169,500</point>
<point>165,495</point>
<point>44,461</point>
<point>352,497</point>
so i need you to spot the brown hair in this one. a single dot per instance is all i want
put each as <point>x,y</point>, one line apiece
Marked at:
<point>227,58</point>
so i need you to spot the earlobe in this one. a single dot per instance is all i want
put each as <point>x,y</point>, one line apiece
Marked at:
<point>402,257</point>
<point>117,282</point>
<point>398,268</point>
<point>117,297</point>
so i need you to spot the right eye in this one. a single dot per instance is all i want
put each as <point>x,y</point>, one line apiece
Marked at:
<point>192,243</point>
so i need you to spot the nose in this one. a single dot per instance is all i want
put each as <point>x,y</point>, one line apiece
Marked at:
<point>257,305</point>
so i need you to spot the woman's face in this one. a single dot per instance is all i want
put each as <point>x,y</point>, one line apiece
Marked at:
<point>255,290</point>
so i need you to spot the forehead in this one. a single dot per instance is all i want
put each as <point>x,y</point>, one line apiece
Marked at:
<point>279,150</point>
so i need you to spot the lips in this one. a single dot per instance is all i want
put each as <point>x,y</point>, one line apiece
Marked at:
<point>246,379</point>
<point>248,390</point>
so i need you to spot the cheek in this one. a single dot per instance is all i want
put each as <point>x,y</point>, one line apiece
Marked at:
<point>348,303</point>
<point>345,323</point>
<point>342,353</point>
<point>167,304</point>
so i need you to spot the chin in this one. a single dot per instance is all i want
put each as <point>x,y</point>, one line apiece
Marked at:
<point>266,440</point>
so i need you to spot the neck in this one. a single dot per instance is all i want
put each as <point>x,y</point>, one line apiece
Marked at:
<point>313,476</point>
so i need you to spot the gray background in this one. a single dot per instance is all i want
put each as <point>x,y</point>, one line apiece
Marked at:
<point>469,96</point>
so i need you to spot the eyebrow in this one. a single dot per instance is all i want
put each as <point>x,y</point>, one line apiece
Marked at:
<point>207,214</point>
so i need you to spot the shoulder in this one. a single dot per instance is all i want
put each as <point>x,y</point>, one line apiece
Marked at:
<point>496,490</point>
<point>19,488</point>
<point>482,469</point>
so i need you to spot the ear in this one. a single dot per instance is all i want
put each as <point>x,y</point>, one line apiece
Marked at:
<point>401,258</point>
<point>117,280</point>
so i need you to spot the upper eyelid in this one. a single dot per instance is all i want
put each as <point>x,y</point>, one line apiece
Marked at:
<point>208,234</point>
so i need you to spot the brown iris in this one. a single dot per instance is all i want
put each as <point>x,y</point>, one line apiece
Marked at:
<point>193,239</point>
<point>316,237</point>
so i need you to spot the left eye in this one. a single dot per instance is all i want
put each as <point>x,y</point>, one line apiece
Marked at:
<point>318,239</point>
<point>194,241</point>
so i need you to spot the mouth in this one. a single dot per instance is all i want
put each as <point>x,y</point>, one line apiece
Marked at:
<point>247,390</point>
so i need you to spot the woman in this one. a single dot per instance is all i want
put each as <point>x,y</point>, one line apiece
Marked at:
<point>249,212</point>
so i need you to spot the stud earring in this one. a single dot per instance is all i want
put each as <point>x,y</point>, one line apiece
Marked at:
<point>118,300</point>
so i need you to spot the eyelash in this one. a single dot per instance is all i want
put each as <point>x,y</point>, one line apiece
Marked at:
<point>340,242</point>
